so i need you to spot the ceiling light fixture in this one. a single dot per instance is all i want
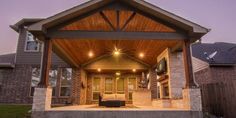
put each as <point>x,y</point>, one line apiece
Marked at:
<point>141,55</point>
<point>117,73</point>
<point>116,52</point>
<point>90,54</point>
<point>134,70</point>
<point>99,69</point>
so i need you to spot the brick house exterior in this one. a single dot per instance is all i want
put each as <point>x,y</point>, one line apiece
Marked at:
<point>15,83</point>
<point>221,67</point>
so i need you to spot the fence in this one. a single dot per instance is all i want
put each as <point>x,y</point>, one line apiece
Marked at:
<point>219,99</point>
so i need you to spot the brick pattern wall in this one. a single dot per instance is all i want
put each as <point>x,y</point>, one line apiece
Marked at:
<point>16,84</point>
<point>153,80</point>
<point>75,88</point>
<point>215,74</point>
<point>177,74</point>
<point>203,76</point>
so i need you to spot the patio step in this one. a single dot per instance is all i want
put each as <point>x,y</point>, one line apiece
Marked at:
<point>118,114</point>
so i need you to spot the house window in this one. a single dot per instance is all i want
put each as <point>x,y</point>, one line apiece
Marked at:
<point>132,85</point>
<point>108,85</point>
<point>31,45</point>
<point>35,79</point>
<point>120,85</point>
<point>96,88</point>
<point>53,80</point>
<point>66,78</point>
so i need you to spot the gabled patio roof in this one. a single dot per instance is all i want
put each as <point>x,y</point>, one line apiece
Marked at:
<point>192,29</point>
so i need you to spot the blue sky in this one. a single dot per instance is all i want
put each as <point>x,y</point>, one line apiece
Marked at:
<point>218,15</point>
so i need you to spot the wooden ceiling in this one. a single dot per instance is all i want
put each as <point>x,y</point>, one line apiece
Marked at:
<point>75,51</point>
<point>110,20</point>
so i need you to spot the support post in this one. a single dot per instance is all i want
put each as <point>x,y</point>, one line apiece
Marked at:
<point>43,93</point>
<point>191,94</point>
<point>45,63</point>
<point>188,65</point>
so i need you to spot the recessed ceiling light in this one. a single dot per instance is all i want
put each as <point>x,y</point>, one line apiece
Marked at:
<point>99,69</point>
<point>141,55</point>
<point>90,54</point>
<point>117,73</point>
<point>134,70</point>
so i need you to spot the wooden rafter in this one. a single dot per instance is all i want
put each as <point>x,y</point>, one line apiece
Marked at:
<point>118,20</point>
<point>128,21</point>
<point>107,20</point>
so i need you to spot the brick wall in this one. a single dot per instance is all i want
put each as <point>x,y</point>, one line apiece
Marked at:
<point>75,88</point>
<point>215,74</point>
<point>177,74</point>
<point>153,81</point>
<point>16,84</point>
<point>203,76</point>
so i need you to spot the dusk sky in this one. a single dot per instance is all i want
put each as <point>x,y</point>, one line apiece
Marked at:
<point>218,15</point>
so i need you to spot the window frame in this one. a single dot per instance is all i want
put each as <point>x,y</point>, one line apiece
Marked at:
<point>136,86</point>
<point>67,86</point>
<point>30,88</point>
<point>99,91</point>
<point>120,92</point>
<point>26,42</point>
<point>31,74</point>
<point>112,85</point>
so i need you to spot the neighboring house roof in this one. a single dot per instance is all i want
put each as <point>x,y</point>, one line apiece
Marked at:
<point>216,53</point>
<point>7,60</point>
<point>193,28</point>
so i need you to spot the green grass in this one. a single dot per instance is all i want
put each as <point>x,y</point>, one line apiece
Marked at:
<point>14,111</point>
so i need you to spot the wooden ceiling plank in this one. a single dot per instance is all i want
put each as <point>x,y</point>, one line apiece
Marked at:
<point>63,54</point>
<point>128,21</point>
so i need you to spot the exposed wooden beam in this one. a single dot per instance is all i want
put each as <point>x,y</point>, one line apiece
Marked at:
<point>116,35</point>
<point>188,65</point>
<point>128,21</point>
<point>107,20</point>
<point>118,20</point>
<point>45,63</point>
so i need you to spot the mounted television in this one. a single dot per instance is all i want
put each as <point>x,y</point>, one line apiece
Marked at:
<point>161,67</point>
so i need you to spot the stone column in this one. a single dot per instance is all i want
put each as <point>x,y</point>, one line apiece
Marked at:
<point>192,99</point>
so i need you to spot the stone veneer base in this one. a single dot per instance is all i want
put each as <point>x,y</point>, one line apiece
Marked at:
<point>192,99</point>
<point>42,99</point>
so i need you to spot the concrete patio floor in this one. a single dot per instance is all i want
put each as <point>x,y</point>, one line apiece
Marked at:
<point>129,111</point>
<point>128,107</point>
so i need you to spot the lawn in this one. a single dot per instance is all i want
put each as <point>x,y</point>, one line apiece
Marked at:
<point>14,111</point>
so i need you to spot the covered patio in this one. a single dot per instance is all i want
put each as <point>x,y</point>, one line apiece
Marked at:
<point>115,41</point>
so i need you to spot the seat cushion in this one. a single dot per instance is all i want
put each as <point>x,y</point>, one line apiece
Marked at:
<point>107,97</point>
<point>120,97</point>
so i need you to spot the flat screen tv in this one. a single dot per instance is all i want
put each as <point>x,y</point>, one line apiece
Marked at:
<point>161,67</point>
